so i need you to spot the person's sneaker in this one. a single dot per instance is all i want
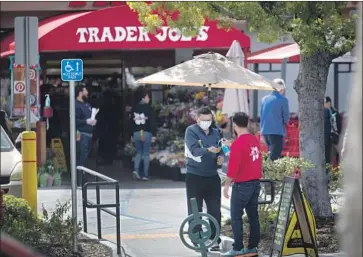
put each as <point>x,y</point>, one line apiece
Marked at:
<point>136,175</point>
<point>250,252</point>
<point>215,248</point>
<point>145,179</point>
<point>233,253</point>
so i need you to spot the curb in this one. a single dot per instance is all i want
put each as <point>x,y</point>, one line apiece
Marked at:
<point>111,246</point>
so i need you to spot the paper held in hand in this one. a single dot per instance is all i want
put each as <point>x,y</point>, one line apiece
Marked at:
<point>94,113</point>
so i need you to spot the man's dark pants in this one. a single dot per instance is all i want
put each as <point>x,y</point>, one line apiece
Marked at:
<point>275,145</point>
<point>84,146</point>
<point>328,150</point>
<point>207,189</point>
<point>245,197</point>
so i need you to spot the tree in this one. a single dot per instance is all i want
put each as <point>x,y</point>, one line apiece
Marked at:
<point>323,30</point>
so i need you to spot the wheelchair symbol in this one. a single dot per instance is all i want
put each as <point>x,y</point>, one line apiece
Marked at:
<point>68,67</point>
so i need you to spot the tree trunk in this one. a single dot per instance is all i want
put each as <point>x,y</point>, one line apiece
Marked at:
<point>310,86</point>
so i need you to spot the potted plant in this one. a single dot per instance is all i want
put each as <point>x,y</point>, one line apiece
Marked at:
<point>57,177</point>
<point>51,172</point>
<point>42,176</point>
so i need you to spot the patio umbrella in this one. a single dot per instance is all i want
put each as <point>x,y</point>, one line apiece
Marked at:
<point>235,100</point>
<point>210,70</point>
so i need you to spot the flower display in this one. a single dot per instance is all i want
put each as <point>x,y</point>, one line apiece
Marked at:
<point>173,117</point>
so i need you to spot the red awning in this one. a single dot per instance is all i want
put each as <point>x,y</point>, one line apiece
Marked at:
<point>118,28</point>
<point>276,54</point>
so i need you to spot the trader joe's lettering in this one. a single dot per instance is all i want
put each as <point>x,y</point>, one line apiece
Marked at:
<point>134,34</point>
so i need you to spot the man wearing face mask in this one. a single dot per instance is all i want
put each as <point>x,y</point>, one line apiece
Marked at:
<point>202,159</point>
<point>84,126</point>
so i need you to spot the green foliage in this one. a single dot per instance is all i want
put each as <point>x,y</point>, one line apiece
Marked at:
<point>188,20</point>
<point>316,26</point>
<point>286,166</point>
<point>50,234</point>
<point>20,221</point>
<point>336,179</point>
<point>57,230</point>
<point>49,168</point>
<point>267,216</point>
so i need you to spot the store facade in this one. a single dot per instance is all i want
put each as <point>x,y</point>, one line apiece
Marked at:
<point>115,48</point>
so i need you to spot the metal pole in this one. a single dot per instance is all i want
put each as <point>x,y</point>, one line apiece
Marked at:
<point>283,72</point>
<point>38,103</point>
<point>72,122</point>
<point>283,69</point>
<point>118,220</point>
<point>255,98</point>
<point>27,78</point>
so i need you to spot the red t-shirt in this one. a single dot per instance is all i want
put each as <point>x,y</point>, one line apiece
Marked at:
<point>245,160</point>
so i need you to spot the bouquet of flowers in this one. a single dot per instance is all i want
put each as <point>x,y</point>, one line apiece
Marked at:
<point>129,149</point>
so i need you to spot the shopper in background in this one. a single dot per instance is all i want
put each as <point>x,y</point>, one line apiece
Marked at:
<point>274,115</point>
<point>107,129</point>
<point>84,126</point>
<point>144,132</point>
<point>202,159</point>
<point>245,171</point>
<point>332,128</point>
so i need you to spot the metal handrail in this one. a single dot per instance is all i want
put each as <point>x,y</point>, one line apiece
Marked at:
<point>264,181</point>
<point>107,181</point>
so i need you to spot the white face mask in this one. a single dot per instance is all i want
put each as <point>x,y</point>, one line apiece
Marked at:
<point>205,124</point>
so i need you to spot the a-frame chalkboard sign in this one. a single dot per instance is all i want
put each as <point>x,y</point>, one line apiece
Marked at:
<point>291,194</point>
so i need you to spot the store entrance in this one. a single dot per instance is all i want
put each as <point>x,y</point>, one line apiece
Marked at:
<point>110,89</point>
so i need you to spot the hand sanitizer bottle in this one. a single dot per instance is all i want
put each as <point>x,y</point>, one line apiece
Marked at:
<point>226,150</point>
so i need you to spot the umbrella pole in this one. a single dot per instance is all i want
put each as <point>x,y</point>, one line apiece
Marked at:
<point>209,93</point>
<point>283,69</point>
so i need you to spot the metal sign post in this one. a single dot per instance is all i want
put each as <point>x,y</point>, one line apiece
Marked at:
<point>27,53</point>
<point>200,238</point>
<point>72,70</point>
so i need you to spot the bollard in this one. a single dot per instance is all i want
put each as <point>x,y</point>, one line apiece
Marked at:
<point>200,238</point>
<point>29,175</point>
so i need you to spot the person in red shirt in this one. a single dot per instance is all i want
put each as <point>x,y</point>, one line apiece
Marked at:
<point>245,171</point>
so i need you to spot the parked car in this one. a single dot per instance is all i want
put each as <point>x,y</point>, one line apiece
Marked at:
<point>11,167</point>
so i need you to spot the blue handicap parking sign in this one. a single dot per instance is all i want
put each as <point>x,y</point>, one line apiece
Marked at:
<point>72,70</point>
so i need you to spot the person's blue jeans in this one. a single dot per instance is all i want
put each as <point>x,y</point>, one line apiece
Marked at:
<point>245,197</point>
<point>84,146</point>
<point>142,151</point>
<point>275,146</point>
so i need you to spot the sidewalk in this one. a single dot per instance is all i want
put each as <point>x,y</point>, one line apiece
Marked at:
<point>151,214</point>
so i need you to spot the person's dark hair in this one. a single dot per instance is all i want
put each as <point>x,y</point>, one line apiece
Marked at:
<point>79,89</point>
<point>327,99</point>
<point>141,92</point>
<point>204,111</point>
<point>240,119</point>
